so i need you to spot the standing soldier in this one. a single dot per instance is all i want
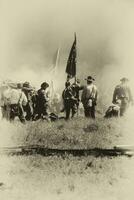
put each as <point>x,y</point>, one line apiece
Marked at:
<point>42,104</point>
<point>89,98</point>
<point>27,89</point>
<point>56,104</point>
<point>123,94</point>
<point>69,100</point>
<point>17,100</point>
<point>76,89</point>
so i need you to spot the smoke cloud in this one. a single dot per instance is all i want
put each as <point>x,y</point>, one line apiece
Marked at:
<point>33,30</point>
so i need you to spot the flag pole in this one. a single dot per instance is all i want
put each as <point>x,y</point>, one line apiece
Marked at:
<point>75,79</point>
<point>76,56</point>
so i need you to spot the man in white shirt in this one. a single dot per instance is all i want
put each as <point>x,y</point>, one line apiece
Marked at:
<point>89,98</point>
<point>15,99</point>
<point>29,92</point>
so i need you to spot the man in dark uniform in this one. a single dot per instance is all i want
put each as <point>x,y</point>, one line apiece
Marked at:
<point>123,94</point>
<point>89,97</point>
<point>27,89</point>
<point>69,100</point>
<point>42,103</point>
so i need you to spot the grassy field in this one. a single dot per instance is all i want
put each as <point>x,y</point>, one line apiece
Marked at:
<point>50,178</point>
<point>78,133</point>
<point>44,178</point>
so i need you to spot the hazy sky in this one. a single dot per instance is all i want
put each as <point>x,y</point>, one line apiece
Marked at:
<point>32,30</point>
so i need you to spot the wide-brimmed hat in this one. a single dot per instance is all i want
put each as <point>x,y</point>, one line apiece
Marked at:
<point>27,87</point>
<point>26,84</point>
<point>124,79</point>
<point>90,78</point>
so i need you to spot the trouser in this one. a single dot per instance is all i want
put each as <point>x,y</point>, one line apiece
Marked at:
<point>40,111</point>
<point>123,107</point>
<point>70,106</point>
<point>89,111</point>
<point>17,110</point>
<point>29,111</point>
<point>5,112</point>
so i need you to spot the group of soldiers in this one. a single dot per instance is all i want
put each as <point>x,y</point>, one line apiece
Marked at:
<point>25,102</point>
<point>29,104</point>
<point>71,98</point>
<point>122,98</point>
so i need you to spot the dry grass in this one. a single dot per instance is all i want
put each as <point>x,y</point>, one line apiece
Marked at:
<point>78,133</point>
<point>39,178</point>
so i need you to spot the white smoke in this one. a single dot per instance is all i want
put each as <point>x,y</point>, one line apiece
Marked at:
<point>33,30</point>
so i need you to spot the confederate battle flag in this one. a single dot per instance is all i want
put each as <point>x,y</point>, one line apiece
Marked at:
<point>71,63</point>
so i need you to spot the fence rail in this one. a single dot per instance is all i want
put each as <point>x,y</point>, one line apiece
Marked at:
<point>37,149</point>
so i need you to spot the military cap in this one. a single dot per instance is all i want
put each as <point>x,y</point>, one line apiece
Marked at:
<point>44,84</point>
<point>67,83</point>
<point>124,79</point>
<point>90,78</point>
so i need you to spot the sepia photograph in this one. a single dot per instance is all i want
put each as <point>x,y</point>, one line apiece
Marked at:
<point>66,99</point>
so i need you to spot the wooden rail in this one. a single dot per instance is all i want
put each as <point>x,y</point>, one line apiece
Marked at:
<point>37,149</point>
